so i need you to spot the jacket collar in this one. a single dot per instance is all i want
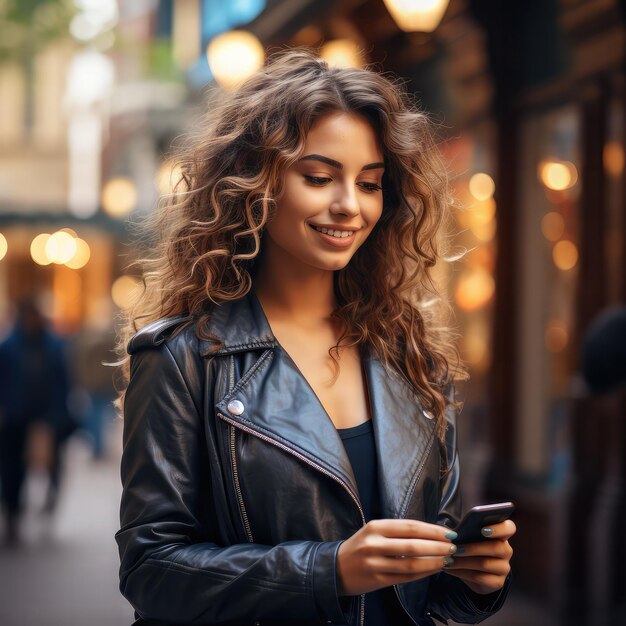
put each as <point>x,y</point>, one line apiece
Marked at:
<point>242,326</point>
<point>297,420</point>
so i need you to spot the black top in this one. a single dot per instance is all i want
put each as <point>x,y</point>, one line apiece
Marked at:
<point>382,607</point>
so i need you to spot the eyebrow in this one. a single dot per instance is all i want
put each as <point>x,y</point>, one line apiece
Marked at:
<point>337,165</point>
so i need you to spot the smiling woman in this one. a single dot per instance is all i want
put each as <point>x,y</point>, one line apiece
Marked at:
<point>290,415</point>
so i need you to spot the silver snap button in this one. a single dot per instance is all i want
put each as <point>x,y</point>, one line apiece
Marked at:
<point>428,415</point>
<point>235,407</point>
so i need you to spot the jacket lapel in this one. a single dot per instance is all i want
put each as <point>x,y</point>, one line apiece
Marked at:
<point>280,405</point>
<point>403,436</point>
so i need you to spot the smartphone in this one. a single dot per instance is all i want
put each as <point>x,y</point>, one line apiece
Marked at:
<point>480,516</point>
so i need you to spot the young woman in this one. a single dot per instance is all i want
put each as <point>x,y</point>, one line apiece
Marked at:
<point>289,436</point>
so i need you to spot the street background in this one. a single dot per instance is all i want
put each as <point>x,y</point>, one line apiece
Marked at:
<point>529,99</point>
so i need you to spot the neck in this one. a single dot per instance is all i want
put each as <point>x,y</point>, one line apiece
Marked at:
<point>290,292</point>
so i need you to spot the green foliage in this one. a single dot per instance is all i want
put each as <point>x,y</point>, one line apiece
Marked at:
<point>27,26</point>
<point>160,61</point>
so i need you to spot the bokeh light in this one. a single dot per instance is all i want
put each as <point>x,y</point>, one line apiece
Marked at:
<point>475,288</point>
<point>556,336</point>
<point>558,175</point>
<point>552,226</point>
<point>38,249</point>
<point>481,186</point>
<point>168,175</point>
<point>119,197</point>
<point>60,247</point>
<point>233,56</point>
<point>342,53</point>
<point>565,255</point>
<point>417,15</point>
<point>613,158</point>
<point>4,246</point>
<point>82,255</point>
<point>125,291</point>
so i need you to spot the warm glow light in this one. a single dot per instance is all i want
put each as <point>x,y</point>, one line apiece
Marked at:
<point>483,212</point>
<point>556,336</point>
<point>481,186</point>
<point>417,15</point>
<point>119,197</point>
<point>481,257</point>
<point>475,344</point>
<point>69,231</point>
<point>483,231</point>
<point>341,53</point>
<point>81,257</point>
<point>125,291</point>
<point>474,290</point>
<point>38,249</point>
<point>233,56</point>
<point>60,247</point>
<point>613,157</point>
<point>4,246</point>
<point>552,226</point>
<point>558,175</point>
<point>565,255</point>
<point>167,176</point>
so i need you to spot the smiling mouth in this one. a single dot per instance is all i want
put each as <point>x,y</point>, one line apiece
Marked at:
<point>339,234</point>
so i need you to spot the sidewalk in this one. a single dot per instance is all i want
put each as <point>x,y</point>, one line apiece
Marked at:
<point>65,572</point>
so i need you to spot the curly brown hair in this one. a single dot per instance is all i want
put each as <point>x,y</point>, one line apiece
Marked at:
<point>209,230</point>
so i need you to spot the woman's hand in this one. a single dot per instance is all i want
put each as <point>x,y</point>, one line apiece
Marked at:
<point>386,552</point>
<point>484,566</point>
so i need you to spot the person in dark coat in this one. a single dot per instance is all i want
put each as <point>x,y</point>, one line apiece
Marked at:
<point>34,386</point>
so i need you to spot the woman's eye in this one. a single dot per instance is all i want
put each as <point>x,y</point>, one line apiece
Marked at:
<point>371,186</point>
<point>317,180</point>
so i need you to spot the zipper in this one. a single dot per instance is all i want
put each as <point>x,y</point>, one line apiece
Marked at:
<point>235,424</point>
<point>242,507</point>
<point>233,458</point>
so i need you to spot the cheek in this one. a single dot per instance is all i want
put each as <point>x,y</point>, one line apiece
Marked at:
<point>374,212</point>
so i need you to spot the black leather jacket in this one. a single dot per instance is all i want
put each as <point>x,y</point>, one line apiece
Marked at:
<point>237,490</point>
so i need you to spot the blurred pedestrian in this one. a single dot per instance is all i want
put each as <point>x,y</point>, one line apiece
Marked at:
<point>34,416</point>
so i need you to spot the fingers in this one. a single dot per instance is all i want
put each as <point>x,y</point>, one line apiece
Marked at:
<point>412,568</point>
<point>409,528</point>
<point>412,547</point>
<point>497,548</point>
<point>480,564</point>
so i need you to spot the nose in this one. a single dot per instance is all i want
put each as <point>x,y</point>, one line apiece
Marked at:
<point>347,204</point>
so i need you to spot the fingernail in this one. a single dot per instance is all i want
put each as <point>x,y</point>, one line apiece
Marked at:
<point>451,535</point>
<point>487,532</point>
<point>447,561</point>
<point>460,549</point>
<point>453,549</point>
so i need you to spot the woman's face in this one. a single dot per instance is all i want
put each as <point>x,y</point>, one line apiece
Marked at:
<point>336,185</point>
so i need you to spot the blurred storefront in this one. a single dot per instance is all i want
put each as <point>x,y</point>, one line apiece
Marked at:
<point>532,100</point>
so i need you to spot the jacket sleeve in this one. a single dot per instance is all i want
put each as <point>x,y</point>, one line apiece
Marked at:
<point>171,569</point>
<point>449,597</point>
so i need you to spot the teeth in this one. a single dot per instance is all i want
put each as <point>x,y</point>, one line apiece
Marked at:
<point>340,234</point>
